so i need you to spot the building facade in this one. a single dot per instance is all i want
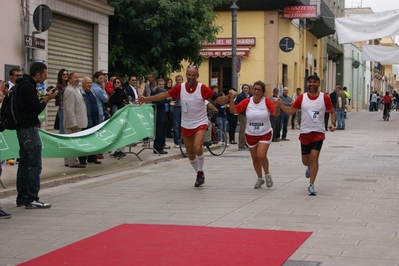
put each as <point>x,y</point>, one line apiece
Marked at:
<point>77,38</point>
<point>279,50</point>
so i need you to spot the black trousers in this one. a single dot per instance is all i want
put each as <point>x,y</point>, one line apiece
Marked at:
<point>232,120</point>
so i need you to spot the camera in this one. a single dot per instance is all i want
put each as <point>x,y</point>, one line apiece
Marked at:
<point>49,88</point>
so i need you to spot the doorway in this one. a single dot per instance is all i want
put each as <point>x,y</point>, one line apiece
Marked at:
<point>221,73</point>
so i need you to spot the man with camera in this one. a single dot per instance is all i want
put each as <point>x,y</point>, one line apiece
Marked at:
<point>30,145</point>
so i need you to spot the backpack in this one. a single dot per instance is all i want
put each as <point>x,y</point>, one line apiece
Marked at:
<point>9,115</point>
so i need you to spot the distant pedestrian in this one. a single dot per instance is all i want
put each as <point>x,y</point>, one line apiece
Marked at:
<point>313,105</point>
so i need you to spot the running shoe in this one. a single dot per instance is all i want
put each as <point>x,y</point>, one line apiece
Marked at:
<point>200,179</point>
<point>307,173</point>
<point>269,181</point>
<point>259,183</point>
<point>311,190</point>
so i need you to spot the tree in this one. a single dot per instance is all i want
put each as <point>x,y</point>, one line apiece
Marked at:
<point>156,35</point>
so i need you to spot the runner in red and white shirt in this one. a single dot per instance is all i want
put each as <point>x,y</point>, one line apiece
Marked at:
<point>258,130</point>
<point>313,105</point>
<point>194,120</point>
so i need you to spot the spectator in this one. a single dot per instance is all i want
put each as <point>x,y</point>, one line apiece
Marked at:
<point>232,120</point>
<point>275,120</point>
<point>176,115</point>
<point>161,113</point>
<point>100,93</point>
<point>296,117</point>
<point>30,145</point>
<point>62,81</point>
<point>75,113</point>
<point>283,123</point>
<point>3,214</point>
<point>348,99</point>
<point>221,116</point>
<point>242,145</point>
<point>341,105</point>
<point>92,115</point>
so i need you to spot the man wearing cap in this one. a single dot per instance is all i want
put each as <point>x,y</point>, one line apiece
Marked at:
<point>275,120</point>
<point>313,105</point>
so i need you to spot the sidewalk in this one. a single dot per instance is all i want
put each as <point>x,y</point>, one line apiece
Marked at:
<point>54,172</point>
<point>354,219</point>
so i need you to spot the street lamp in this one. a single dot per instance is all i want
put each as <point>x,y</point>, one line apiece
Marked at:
<point>234,9</point>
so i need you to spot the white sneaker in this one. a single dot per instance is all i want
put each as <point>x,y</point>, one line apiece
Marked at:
<point>221,143</point>
<point>176,146</point>
<point>269,181</point>
<point>259,183</point>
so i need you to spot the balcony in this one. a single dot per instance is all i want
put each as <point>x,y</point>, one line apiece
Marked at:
<point>323,25</point>
<point>256,5</point>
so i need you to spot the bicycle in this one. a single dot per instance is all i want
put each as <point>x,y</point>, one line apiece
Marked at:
<point>215,145</point>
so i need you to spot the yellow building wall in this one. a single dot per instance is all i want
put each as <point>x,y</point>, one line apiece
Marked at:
<point>265,61</point>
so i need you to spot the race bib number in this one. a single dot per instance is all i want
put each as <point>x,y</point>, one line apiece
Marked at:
<point>256,127</point>
<point>314,115</point>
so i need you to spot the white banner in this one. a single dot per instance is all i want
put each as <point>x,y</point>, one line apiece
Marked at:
<point>382,54</point>
<point>367,27</point>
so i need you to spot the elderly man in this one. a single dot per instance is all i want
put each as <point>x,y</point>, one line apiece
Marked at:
<point>92,115</point>
<point>75,113</point>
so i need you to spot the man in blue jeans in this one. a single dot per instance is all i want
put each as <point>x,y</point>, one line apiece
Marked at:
<point>176,115</point>
<point>29,106</point>
<point>341,105</point>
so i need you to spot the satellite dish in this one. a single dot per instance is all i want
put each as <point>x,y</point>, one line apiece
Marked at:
<point>42,18</point>
<point>355,64</point>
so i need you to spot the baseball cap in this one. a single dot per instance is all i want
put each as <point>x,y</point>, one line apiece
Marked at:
<point>313,77</point>
<point>275,90</point>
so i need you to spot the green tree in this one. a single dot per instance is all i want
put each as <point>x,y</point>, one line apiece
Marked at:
<point>156,35</point>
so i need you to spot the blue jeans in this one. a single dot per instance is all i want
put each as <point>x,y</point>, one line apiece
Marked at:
<point>60,114</point>
<point>341,118</point>
<point>176,115</point>
<point>222,124</point>
<point>283,124</point>
<point>30,164</point>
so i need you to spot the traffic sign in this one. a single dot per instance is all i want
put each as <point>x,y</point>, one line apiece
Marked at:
<point>33,42</point>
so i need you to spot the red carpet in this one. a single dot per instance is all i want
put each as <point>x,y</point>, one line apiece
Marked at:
<point>142,244</point>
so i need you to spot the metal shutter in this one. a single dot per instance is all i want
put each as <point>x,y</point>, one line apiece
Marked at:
<point>70,46</point>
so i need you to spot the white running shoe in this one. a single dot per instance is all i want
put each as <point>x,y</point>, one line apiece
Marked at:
<point>269,181</point>
<point>259,183</point>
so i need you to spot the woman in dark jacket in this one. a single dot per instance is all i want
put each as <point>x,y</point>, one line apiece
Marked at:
<point>118,97</point>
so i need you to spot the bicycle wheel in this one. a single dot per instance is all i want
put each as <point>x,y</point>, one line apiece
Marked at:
<point>216,146</point>
<point>183,147</point>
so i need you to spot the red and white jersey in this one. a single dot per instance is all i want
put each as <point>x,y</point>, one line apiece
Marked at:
<point>312,111</point>
<point>193,111</point>
<point>258,115</point>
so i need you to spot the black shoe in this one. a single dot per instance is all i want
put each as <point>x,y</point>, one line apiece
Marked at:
<point>200,179</point>
<point>161,152</point>
<point>95,162</point>
<point>37,205</point>
<point>4,215</point>
<point>77,166</point>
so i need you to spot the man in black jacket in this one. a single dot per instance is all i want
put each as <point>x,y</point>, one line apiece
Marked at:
<point>30,145</point>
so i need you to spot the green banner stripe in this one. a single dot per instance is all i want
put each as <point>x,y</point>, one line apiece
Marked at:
<point>127,126</point>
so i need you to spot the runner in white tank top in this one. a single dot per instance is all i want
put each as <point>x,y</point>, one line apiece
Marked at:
<point>313,105</point>
<point>258,131</point>
<point>194,120</point>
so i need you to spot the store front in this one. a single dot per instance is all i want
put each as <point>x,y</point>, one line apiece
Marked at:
<point>219,54</point>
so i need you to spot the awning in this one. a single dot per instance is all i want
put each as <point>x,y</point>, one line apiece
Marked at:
<point>224,51</point>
